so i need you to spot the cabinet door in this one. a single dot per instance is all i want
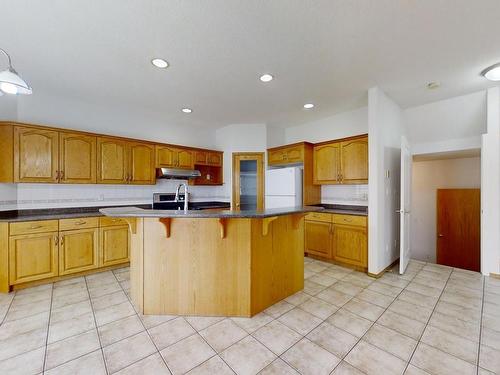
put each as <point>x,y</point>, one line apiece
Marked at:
<point>318,238</point>
<point>326,164</point>
<point>33,257</point>
<point>295,154</point>
<point>166,157</point>
<point>200,157</point>
<point>36,155</point>
<point>355,161</point>
<point>115,243</point>
<point>112,164</point>
<point>77,156</point>
<point>78,250</point>
<point>185,159</point>
<point>276,157</point>
<point>215,159</point>
<point>350,245</point>
<point>142,165</point>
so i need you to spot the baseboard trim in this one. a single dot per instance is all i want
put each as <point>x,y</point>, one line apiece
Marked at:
<point>495,275</point>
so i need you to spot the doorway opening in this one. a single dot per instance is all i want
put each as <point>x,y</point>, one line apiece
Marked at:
<point>445,202</point>
<point>248,181</point>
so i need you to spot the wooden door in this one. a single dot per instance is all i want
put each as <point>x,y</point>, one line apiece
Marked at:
<point>184,159</point>
<point>318,238</point>
<point>141,164</point>
<point>215,159</point>
<point>77,158</point>
<point>114,245</point>
<point>78,250</point>
<point>354,158</point>
<point>248,186</point>
<point>112,161</point>
<point>200,157</point>
<point>33,257</point>
<point>166,157</point>
<point>36,155</point>
<point>458,228</point>
<point>326,162</point>
<point>350,245</point>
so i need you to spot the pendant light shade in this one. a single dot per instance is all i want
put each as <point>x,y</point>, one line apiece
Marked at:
<point>11,82</point>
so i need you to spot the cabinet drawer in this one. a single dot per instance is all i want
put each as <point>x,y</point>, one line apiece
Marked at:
<point>111,221</point>
<point>78,223</point>
<point>319,216</point>
<point>29,227</point>
<point>349,220</point>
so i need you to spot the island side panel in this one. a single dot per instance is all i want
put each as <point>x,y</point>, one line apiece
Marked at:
<point>195,271</point>
<point>137,263</point>
<point>277,260</point>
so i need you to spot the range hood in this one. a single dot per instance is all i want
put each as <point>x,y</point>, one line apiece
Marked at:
<point>177,173</point>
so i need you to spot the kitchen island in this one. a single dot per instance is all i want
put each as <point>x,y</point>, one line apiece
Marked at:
<point>214,263</point>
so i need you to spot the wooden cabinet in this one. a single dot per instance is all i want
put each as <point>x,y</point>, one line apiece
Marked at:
<point>355,161</point>
<point>350,245</point>
<point>36,155</point>
<point>212,158</point>
<point>290,154</point>
<point>141,164</point>
<point>78,250</point>
<point>341,238</point>
<point>172,157</point>
<point>327,164</point>
<point>318,238</point>
<point>122,162</point>
<point>341,162</point>
<point>112,161</point>
<point>77,158</point>
<point>114,245</point>
<point>33,257</point>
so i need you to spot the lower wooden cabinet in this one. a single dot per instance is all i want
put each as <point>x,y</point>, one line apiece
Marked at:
<point>33,257</point>
<point>114,245</point>
<point>350,245</point>
<point>341,238</point>
<point>78,250</point>
<point>318,238</point>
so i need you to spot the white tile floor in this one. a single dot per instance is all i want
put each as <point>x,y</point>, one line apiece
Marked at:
<point>432,320</point>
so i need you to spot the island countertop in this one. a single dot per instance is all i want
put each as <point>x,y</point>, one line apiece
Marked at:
<point>206,214</point>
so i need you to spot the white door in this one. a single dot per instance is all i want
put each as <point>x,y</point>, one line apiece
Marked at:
<point>404,211</point>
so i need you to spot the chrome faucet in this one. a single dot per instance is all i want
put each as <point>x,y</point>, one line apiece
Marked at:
<point>186,195</point>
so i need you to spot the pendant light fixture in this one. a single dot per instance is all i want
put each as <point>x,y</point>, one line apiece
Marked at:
<point>11,82</point>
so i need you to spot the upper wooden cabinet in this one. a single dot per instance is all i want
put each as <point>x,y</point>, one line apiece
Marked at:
<point>341,162</point>
<point>290,154</point>
<point>36,155</point>
<point>208,158</point>
<point>141,164</point>
<point>173,157</point>
<point>112,161</point>
<point>77,158</point>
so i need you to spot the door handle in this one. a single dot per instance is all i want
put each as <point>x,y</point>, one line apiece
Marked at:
<point>440,235</point>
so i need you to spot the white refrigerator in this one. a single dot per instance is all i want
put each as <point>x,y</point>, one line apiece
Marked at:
<point>283,187</point>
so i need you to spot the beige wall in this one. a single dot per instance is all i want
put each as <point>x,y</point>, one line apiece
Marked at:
<point>428,176</point>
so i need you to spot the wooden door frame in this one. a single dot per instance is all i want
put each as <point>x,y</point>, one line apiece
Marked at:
<point>259,157</point>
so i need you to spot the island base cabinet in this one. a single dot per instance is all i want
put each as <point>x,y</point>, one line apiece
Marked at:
<point>78,251</point>
<point>318,239</point>
<point>350,245</point>
<point>33,257</point>
<point>115,245</point>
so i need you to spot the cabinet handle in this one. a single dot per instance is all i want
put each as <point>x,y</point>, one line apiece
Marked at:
<point>56,240</point>
<point>61,175</point>
<point>347,220</point>
<point>80,222</point>
<point>57,175</point>
<point>35,226</point>
<point>62,240</point>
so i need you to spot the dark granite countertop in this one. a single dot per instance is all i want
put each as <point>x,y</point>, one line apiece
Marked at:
<point>222,214</point>
<point>55,213</point>
<point>343,209</point>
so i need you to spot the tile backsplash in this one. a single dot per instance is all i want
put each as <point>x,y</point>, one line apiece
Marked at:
<point>32,196</point>
<point>345,194</point>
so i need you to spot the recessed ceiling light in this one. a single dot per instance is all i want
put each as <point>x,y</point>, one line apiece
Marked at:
<point>186,110</point>
<point>308,106</point>
<point>492,73</point>
<point>433,85</point>
<point>266,78</point>
<point>8,88</point>
<point>159,63</point>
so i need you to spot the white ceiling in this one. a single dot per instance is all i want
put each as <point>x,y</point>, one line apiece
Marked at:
<point>328,52</point>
